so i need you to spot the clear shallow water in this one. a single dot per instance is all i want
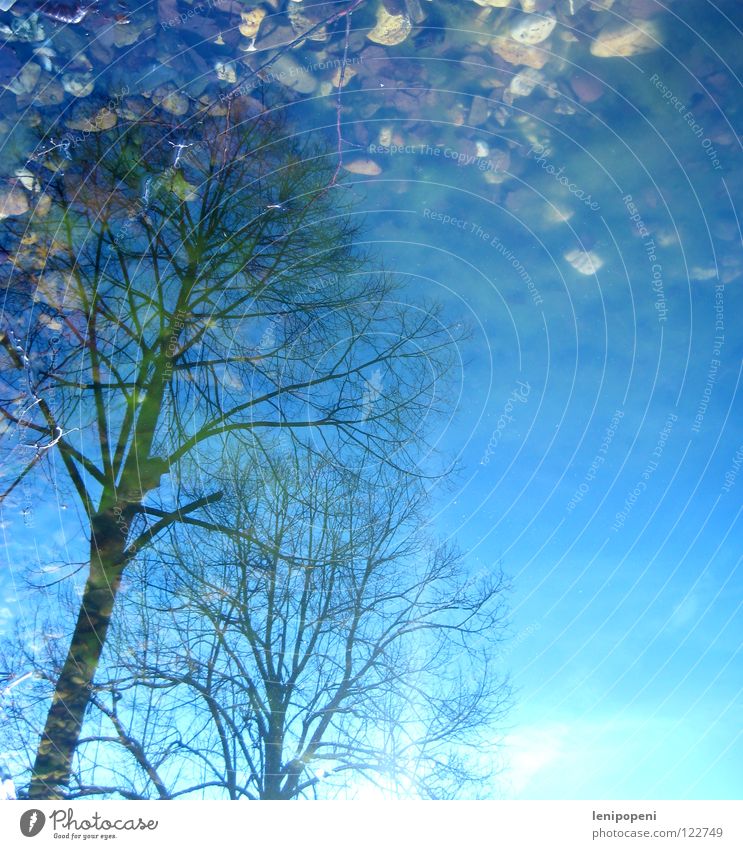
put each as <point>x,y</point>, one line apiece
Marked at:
<point>597,420</point>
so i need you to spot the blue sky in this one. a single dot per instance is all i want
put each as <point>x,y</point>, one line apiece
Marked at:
<point>626,633</point>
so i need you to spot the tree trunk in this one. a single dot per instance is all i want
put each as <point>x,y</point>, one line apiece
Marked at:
<point>273,774</point>
<point>51,773</point>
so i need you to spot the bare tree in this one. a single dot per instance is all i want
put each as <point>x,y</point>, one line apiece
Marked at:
<point>191,287</point>
<point>335,646</point>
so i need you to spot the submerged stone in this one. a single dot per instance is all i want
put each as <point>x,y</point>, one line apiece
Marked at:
<point>10,64</point>
<point>587,88</point>
<point>103,119</point>
<point>251,21</point>
<point>171,100</point>
<point>290,73</point>
<point>390,29</point>
<point>584,262</point>
<point>524,83</point>
<point>78,85</point>
<point>479,111</point>
<point>25,81</point>
<point>307,21</point>
<point>127,34</point>
<point>226,72</point>
<point>532,29</point>
<point>366,167</point>
<point>43,205</point>
<point>557,214</point>
<point>343,76</point>
<point>626,39</point>
<point>13,201</point>
<point>24,29</point>
<point>27,179</point>
<point>384,138</point>
<point>520,54</point>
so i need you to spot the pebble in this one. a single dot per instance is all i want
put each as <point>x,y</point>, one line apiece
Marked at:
<point>27,180</point>
<point>666,238</point>
<point>13,201</point>
<point>26,79</point>
<point>479,111</point>
<point>127,34</point>
<point>10,64</point>
<point>585,262</point>
<point>251,21</point>
<point>304,20</point>
<point>562,107</point>
<point>26,29</point>
<point>389,29</point>
<point>385,136</point>
<point>520,54</point>
<point>587,89</point>
<point>349,72</point>
<point>558,214</point>
<point>215,108</point>
<point>532,29</point>
<point>523,202</point>
<point>103,119</point>
<point>44,55</point>
<point>43,205</point>
<point>415,10</point>
<point>54,288</point>
<point>524,83</point>
<point>277,37</point>
<point>626,40</point>
<point>168,97</point>
<point>78,85</point>
<point>133,108</point>
<point>289,72</point>
<point>32,118</point>
<point>699,272</point>
<point>367,167</point>
<point>226,72</point>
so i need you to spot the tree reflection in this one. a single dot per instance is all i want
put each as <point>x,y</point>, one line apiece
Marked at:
<point>190,287</point>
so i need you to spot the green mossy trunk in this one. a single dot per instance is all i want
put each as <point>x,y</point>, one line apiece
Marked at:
<point>52,769</point>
